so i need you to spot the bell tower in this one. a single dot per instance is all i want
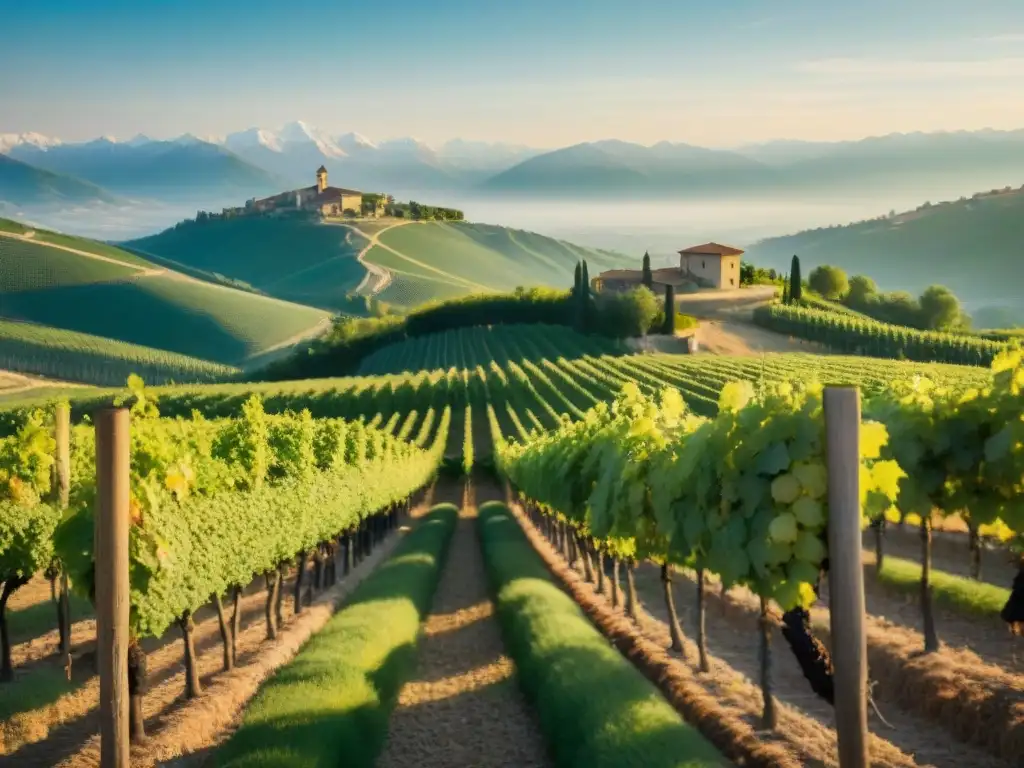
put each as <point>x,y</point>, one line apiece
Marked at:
<point>321,179</point>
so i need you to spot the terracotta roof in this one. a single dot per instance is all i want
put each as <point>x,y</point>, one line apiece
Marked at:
<point>622,274</point>
<point>338,192</point>
<point>712,249</point>
<point>320,170</point>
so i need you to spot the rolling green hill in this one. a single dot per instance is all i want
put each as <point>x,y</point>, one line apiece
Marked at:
<point>94,288</point>
<point>72,356</point>
<point>972,246</point>
<point>317,264</point>
<point>291,259</point>
<point>446,259</point>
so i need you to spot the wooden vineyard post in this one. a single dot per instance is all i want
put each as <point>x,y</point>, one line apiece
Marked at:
<point>62,471</point>
<point>846,575</point>
<point>111,547</point>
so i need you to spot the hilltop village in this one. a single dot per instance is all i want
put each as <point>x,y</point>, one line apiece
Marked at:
<point>326,202</point>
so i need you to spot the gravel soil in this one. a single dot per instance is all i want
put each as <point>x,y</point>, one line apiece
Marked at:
<point>463,706</point>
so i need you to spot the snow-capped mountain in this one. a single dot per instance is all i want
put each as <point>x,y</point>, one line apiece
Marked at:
<point>301,134</point>
<point>10,140</point>
<point>354,142</point>
<point>252,137</point>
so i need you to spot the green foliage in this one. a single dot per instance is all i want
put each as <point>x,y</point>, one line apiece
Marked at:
<point>647,278</point>
<point>593,706</point>
<point>940,309</point>
<point>829,281</point>
<point>215,502</point>
<point>869,337</point>
<point>861,291</point>
<point>796,287</point>
<point>625,314</point>
<point>671,315</point>
<point>467,442</point>
<point>26,539</point>
<point>353,339</point>
<point>26,460</point>
<point>335,698</point>
<point>743,495</point>
<point>753,275</point>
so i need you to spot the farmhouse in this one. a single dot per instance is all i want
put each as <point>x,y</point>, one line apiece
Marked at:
<point>710,265</point>
<point>321,198</point>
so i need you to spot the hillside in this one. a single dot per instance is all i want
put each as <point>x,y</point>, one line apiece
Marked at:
<point>318,264</point>
<point>972,246</point>
<point>94,288</point>
<point>291,259</point>
<point>612,169</point>
<point>23,184</point>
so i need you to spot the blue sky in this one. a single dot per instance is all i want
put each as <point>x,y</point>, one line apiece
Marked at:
<point>544,73</point>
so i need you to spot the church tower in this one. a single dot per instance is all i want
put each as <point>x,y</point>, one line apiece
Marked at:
<point>321,179</point>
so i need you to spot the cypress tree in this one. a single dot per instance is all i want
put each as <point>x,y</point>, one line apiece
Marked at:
<point>670,310</point>
<point>785,290</point>
<point>577,280</point>
<point>584,297</point>
<point>647,278</point>
<point>795,284</point>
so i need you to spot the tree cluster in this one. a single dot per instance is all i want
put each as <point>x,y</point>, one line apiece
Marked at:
<point>936,309</point>
<point>419,212</point>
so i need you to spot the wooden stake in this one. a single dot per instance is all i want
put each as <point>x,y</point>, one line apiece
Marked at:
<point>62,492</point>
<point>846,575</point>
<point>111,548</point>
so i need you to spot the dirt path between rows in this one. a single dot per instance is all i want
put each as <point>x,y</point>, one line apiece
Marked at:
<point>463,707</point>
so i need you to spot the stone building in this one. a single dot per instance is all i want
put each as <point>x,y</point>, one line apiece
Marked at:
<point>709,265</point>
<point>321,198</point>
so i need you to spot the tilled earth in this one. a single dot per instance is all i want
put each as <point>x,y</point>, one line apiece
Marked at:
<point>463,706</point>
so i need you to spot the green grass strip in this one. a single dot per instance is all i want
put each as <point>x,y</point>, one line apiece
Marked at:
<point>968,595</point>
<point>330,705</point>
<point>594,707</point>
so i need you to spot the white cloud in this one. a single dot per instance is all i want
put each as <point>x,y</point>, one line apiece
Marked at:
<point>916,69</point>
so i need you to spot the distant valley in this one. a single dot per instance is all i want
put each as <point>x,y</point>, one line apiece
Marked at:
<point>256,161</point>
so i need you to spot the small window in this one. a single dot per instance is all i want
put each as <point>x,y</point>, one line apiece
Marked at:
<point>731,281</point>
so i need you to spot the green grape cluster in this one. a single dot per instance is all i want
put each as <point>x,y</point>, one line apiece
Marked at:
<point>743,495</point>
